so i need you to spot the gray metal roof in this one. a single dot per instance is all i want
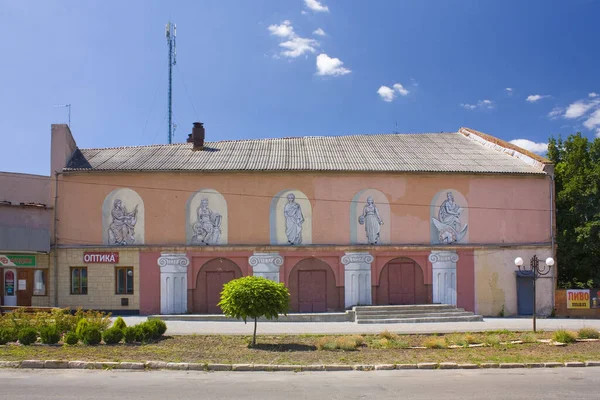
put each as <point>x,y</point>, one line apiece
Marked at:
<point>426,152</point>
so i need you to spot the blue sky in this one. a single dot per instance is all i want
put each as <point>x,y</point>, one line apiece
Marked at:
<point>264,68</point>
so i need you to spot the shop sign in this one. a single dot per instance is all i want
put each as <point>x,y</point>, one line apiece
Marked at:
<point>13,260</point>
<point>579,298</point>
<point>100,258</point>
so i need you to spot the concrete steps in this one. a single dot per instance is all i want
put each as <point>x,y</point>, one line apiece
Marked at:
<point>413,314</point>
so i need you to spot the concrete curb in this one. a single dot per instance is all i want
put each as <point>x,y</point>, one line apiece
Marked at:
<point>161,365</point>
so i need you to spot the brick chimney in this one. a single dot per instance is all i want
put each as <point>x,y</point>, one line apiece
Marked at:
<point>197,136</point>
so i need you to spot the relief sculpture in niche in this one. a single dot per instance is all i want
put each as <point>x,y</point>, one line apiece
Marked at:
<point>122,228</point>
<point>293,220</point>
<point>371,220</point>
<point>448,224</point>
<point>207,230</point>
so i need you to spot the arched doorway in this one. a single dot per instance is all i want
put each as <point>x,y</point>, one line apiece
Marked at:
<point>401,282</point>
<point>312,287</point>
<point>209,284</point>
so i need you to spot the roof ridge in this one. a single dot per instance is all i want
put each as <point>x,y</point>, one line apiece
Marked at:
<point>268,139</point>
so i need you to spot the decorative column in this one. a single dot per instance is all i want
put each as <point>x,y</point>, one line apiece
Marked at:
<point>266,265</point>
<point>444,276</point>
<point>357,279</point>
<point>173,283</point>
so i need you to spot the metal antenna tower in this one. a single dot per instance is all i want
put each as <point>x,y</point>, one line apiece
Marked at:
<point>69,108</point>
<point>171,35</point>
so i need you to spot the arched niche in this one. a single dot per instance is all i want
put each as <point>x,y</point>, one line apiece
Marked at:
<point>123,218</point>
<point>379,233</point>
<point>295,228</point>
<point>206,218</point>
<point>449,218</point>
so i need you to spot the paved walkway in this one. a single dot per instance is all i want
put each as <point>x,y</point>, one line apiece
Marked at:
<point>275,328</point>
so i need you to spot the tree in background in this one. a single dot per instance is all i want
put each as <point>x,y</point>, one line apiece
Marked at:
<point>577,177</point>
<point>254,297</point>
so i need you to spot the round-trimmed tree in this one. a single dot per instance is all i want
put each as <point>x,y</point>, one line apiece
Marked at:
<point>254,297</point>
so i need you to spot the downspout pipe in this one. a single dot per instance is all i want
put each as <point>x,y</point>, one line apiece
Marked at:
<point>55,239</point>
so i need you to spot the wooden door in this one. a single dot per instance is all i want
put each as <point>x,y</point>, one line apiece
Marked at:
<point>214,286</point>
<point>401,283</point>
<point>24,287</point>
<point>312,291</point>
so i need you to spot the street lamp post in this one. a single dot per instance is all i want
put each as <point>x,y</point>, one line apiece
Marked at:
<point>535,271</point>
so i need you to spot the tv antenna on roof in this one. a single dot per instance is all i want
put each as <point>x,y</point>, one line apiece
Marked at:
<point>171,34</point>
<point>69,110</point>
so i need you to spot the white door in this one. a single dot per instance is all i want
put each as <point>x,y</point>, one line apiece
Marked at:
<point>10,287</point>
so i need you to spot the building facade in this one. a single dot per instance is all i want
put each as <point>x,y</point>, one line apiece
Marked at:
<point>25,226</point>
<point>342,221</point>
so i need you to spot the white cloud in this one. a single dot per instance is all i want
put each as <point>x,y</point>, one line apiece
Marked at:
<point>401,89</point>
<point>593,120</point>
<point>532,98</point>
<point>577,109</point>
<point>586,110</point>
<point>414,82</point>
<point>389,93</point>
<point>316,6</point>
<point>509,90</point>
<point>303,12</point>
<point>297,46</point>
<point>294,46</point>
<point>319,32</point>
<point>556,112</point>
<point>598,133</point>
<point>330,66</point>
<point>386,93</point>
<point>489,104</point>
<point>284,30</point>
<point>531,146</point>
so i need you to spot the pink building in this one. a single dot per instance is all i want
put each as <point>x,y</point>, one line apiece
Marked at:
<point>342,221</point>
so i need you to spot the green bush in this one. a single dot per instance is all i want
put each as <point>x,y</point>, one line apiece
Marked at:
<point>91,335</point>
<point>254,297</point>
<point>148,332</point>
<point>145,332</point>
<point>563,336</point>
<point>7,335</point>
<point>112,335</point>
<point>27,336</point>
<point>120,323</point>
<point>49,334</point>
<point>160,325</point>
<point>130,334</point>
<point>71,338</point>
<point>82,325</point>
<point>588,333</point>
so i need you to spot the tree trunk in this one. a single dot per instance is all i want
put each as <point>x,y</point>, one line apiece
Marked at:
<point>254,336</point>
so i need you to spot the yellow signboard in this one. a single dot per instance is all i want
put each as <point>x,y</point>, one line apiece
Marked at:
<point>579,298</point>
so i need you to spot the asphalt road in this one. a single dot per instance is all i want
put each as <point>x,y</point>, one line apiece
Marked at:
<point>559,383</point>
